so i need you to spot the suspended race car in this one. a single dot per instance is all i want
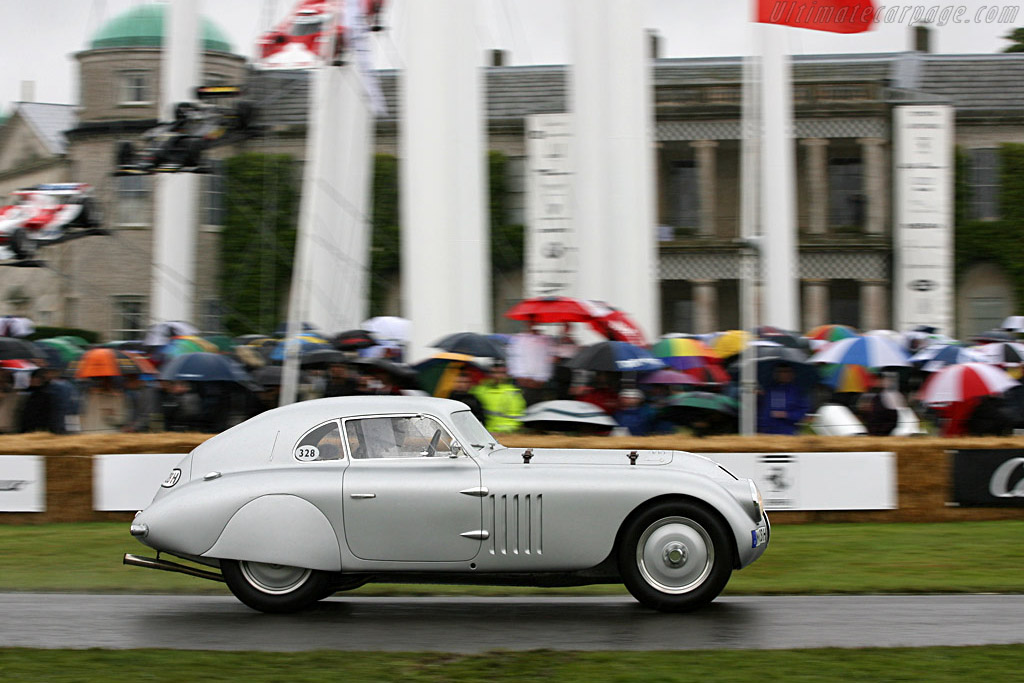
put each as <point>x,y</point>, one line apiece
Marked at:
<point>303,39</point>
<point>179,145</point>
<point>46,214</point>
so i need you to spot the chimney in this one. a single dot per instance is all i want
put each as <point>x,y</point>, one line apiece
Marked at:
<point>497,57</point>
<point>28,91</point>
<point>922,38</point>
<point>655,43</point>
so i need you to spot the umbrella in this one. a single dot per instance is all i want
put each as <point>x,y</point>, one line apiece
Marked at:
<point>353,340</point>
<point>556,309</point>
<point>667,377</point>
<point>222,342</point>
<point>963,382</point>
<point>847,378</point>
<point>12,348</point>
<point>871,352</point>
<point>618,326</point>
<point>17,365</point>
<point>703,411</point>
<point>307,342</point>
<point>267,376</point>
<point>937,356</point>
<point>244,339</point>
<point>993,336</point>
<point>127,345</point>
<point>181,345</point>
<point>204,367</point>
<point>160,334</point>
<point>402,374</point>
<point>471,343</point>
<point>1014,323</point>
<point>781,337</point>
<point>568,416</point>
<point>388,328</point>
<point>683,353</point>
<point>831,333</point>
<point>64,350</point>
<point>249,356</point>
<point>436,375</point>
<point>322,358</point>
<point>1001,353</point>
<point>104,362</point>
<point>768,356</point>
<point>708,374</point>
<point>16,326</point>
<point>730,343</point>
<point>615,356</point>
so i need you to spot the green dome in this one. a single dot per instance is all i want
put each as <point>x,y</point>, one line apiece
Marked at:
<point>143,26</point>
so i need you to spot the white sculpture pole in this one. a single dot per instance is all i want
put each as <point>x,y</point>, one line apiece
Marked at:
<point>174,229</point>
<point>778,191</point>
<point>446,284</point>
<point>613,154</point>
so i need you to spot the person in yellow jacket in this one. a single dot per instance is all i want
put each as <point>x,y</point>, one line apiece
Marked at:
<point>502,401</point>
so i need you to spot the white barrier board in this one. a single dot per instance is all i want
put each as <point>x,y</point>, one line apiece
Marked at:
<point>22,483</point>
<point>818,481</point>
<point>128,481</point>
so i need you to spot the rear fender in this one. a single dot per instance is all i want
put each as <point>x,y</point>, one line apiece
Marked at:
<point>279,529</point>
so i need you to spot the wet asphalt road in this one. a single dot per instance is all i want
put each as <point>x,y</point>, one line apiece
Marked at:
<point>471,625</point>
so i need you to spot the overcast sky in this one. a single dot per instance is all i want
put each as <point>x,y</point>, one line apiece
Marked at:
<point>41,36</point>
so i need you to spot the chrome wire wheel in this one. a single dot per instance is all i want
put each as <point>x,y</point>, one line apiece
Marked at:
<point>274,579</point>
<point>675,555</point>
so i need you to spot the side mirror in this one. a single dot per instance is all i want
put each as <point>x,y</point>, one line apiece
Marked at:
<point>456,450</point>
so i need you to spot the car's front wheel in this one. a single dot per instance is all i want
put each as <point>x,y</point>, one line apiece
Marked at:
<point>274,587</point>
<point>675,556</point>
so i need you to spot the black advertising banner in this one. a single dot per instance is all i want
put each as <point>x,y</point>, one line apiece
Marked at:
<point>989,478</point>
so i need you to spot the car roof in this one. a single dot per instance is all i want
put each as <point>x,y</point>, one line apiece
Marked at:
<point>323,409</point>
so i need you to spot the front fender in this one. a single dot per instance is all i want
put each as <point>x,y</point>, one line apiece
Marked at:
<point>279,529</point>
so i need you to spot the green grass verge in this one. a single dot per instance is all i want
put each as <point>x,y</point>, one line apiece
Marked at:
<point>814,558</point>
<point>923,664</point>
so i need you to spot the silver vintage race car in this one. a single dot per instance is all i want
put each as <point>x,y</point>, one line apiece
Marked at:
<point>322,496</point>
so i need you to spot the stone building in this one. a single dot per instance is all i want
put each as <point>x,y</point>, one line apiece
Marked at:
<point>843,113</point>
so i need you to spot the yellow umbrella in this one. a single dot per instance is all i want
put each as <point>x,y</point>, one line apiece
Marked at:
<point>730,343</point>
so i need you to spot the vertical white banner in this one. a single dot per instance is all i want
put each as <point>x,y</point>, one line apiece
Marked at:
<point>22,483</point>
<point>923,234</point>
<point>551,249</point>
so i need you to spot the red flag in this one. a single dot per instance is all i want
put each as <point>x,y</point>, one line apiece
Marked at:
<point>837,16</point>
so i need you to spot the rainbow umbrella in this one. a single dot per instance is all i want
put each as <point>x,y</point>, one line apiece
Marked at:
<point>437,374</point>
<point>188,344</point>
<point>831,333</point>
<point>683,353</point>
<point>847,378</point>
<point>308,341</point>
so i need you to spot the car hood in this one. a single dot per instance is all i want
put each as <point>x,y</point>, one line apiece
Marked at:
<point>606,457</point>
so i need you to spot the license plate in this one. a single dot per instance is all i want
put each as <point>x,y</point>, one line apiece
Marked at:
<point>759,536</point>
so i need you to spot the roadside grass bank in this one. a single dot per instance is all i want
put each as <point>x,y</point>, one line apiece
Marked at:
<point>937,665</point>
<point>947,557</point>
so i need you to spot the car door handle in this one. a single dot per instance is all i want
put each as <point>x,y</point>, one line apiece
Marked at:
<point>363,495</point>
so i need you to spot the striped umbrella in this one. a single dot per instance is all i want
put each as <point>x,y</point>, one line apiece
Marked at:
<point>436,375</point>
<point>683,353</point>
<point>937,356</point>
<point>849,363</point>
<point>963,382</point>
<point>831,333</point>
<point>1001,353</point>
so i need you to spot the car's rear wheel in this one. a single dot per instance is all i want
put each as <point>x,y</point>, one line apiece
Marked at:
<point>274,587</point>
<point>675,556</point>
<point>20,243</point>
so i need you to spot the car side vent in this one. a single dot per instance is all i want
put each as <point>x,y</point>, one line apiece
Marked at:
<point>517,522</point>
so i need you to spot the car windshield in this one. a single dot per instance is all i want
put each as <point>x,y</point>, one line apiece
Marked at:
<point>470,428</point>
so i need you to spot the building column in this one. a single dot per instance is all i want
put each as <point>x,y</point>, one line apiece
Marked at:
<point>815,303</point>
<point>817,184</point>
<point>706,173</point>
<point>875,185</point>
<point>705,306</point>
<point>874,309</point>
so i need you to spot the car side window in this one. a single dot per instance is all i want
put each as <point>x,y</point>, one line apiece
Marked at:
<point>320,443</point>
<point>407,436</point>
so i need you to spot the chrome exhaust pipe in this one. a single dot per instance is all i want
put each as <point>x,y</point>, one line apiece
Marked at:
<point>168,566</point>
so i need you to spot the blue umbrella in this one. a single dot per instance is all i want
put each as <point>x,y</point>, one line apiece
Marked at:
<point>615,356</point>
<point>204,367</point>
<point>937,356</point>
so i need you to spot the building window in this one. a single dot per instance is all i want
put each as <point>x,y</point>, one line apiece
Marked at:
<point>129,317</point>
<point>135,87</point>
<point>133,200</point>
<point>676,306</point>
<point>844,302</point>
<point>684,199</point>
<point>845,192</point>
<point>213,194</point>
<point>984,181</point>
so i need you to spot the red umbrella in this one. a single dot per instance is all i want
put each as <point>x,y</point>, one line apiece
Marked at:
<point>618,326</point>
<point>556,309</point>
<point>963,382</point>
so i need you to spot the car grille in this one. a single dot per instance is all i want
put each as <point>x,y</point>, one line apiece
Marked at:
<point>517,522</point>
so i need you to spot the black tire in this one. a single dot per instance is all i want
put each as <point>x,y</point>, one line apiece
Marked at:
<point>193,152</point>
<point>344,582</point>
<point>274,588</point>
<point>675,556</point>
<point>89,217</point>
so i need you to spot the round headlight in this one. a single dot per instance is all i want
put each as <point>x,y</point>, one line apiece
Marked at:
<point>755,497</point>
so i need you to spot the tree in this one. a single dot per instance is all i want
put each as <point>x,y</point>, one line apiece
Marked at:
<point>258,240</point>
<point>1016,36</point>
